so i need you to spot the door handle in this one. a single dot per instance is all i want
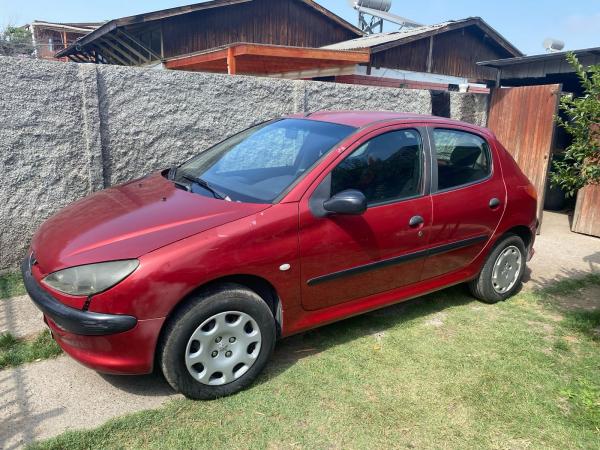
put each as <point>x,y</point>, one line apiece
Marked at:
<point>494,203</point>
<point>416,221</point>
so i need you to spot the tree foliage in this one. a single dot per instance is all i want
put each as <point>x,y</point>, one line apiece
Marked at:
<point>15,41</point>
<point>581,164</point>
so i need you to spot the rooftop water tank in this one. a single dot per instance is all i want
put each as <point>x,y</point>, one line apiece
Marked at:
<point>380,5</point>
<point>553,45</point>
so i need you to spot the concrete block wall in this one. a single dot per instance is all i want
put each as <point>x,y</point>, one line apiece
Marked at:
<point>67,130</point>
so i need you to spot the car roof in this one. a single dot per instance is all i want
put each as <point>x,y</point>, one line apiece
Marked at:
<point>361,119</point>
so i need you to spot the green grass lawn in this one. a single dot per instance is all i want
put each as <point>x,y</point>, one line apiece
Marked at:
<point>11,285</point>
<point>443,371</point>
<point>15,351</point>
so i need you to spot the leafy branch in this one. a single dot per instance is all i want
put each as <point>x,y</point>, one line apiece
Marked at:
<point>581,164</point>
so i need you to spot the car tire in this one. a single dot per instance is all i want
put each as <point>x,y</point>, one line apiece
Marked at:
<point>502,274</point>
<point>217,343</point>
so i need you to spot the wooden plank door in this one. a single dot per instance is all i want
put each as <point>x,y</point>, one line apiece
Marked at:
<point>523,120</point>
<point>586,219</point>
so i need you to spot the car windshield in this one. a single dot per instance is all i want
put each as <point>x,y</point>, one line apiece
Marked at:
<point>259,164</point>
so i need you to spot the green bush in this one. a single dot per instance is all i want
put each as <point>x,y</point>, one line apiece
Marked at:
<point>581,164</point>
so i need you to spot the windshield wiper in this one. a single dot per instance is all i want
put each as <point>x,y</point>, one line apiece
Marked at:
<point>206,185</point>
<point>172,175</point>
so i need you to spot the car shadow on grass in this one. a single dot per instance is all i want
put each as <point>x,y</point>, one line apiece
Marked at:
<point>290,350</point>
<point>310,343</point>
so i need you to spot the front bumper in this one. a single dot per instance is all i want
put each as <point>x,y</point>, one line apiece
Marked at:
<point>107,343</point>
<point>73,320</point>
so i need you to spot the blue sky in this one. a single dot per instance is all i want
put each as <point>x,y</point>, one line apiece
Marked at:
<point>526,23</point>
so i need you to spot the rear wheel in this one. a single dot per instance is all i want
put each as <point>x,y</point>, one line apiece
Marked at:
<point>217,343</point>
<point>502,272</point>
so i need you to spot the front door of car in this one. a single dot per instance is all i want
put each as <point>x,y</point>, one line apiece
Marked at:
<point>346,257</point>
<point>468,195</point>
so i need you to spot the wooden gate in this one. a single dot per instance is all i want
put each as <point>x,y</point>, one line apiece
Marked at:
<point>523,120</point>
<point>586,218</point>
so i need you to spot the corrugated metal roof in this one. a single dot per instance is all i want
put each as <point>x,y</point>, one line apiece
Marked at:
<point>537,58</point>
<point>373,40</point>
<point>386,40</point>
<point>87,26</point>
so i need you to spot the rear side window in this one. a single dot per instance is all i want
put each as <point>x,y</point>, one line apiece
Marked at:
<point>386,168</point>
<point>462,158</point>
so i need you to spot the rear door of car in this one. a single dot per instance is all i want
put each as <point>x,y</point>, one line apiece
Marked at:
<point>344,258</point>
<point>468,197</point>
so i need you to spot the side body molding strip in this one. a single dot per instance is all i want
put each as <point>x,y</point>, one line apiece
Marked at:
<point>398,260</point>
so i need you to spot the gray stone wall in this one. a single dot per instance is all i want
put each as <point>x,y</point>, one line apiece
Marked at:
<point>471,108</point>
<point>67,130</point>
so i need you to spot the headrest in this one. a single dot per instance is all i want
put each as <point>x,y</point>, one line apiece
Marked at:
<point>465,156</point>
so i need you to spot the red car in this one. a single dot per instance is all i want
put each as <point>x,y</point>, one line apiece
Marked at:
<point>289,225</point>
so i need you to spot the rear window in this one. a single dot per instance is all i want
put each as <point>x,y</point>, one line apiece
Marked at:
<point>462,158</point>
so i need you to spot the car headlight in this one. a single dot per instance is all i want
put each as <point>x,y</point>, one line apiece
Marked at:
<point>92,278</point>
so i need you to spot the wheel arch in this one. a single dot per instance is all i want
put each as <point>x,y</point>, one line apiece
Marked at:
<point>523,232</point>
<point>261,286</point>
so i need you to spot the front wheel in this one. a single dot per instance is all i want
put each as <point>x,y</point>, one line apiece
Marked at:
<point>217,343</point>
<point>502,272</point>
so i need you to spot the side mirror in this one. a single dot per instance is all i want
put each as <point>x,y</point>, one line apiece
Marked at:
<point>350,203</point>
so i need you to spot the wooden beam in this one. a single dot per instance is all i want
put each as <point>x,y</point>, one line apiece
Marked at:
<point>125,58</point>
<point>186,61</point>
<point>314,72</point>
<point>91,55</point>
<point>127,46</point>
<point>162,41</point>
<point>138,43</point>
<point>106,52</point>
<point>301,53</point>
<point>231,62</point>
<point>430,55</point>
<point>235,58</point>
<point>98,56</point>
<point>79,58</point>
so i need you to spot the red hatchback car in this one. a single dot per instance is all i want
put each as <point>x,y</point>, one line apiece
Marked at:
<point>291,224</point>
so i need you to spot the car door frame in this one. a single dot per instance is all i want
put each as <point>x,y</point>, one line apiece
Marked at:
<point>367,134</point>
<point>433,154</point>
<point>437,249</point>
<point>370,133</point>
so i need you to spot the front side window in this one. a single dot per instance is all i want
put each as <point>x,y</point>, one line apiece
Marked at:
<point>462,158</point>
<point>386,168</point>
<point>259,164</point>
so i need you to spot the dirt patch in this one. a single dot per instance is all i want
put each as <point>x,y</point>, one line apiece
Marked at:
<point>437,320</point>
<point>547,328</point>
<point>378,336</point>
<point>584,299</point>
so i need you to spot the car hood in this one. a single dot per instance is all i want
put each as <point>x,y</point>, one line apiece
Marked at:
<point>129,221</point>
